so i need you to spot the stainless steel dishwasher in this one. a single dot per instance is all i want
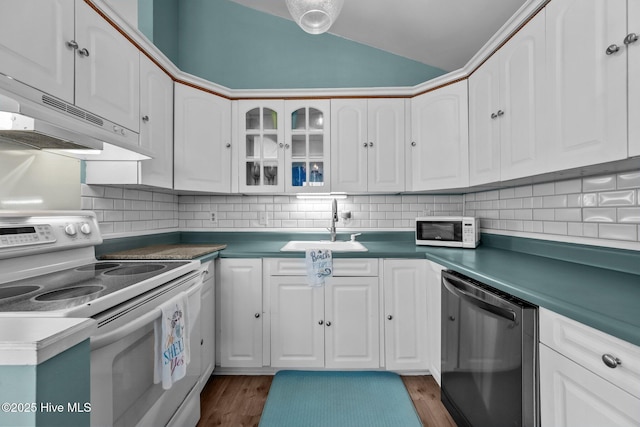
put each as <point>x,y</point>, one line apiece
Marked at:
<point>489,355</point>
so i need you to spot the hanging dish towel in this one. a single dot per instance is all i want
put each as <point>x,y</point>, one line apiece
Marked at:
<point>319,266</point>
<point>171,333</point>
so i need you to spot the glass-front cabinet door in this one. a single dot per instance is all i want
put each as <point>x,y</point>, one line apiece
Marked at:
<point>306,147</point>
<point>261,150</point>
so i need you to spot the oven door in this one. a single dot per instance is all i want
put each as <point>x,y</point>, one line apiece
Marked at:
<point>122,361</point>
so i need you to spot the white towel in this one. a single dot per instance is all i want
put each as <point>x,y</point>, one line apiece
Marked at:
<point>171,331</point>
<point>319,266</point>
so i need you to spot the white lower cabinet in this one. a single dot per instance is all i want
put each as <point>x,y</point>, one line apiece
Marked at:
<point>434,321</point>
<point>241,312</point>
<point>577,388</point>
<point>406,337</point>
<point>335,326</point>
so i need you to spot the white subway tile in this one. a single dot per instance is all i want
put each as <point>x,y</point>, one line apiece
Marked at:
<point>568,214</point>
<point>554,201</point>
<point>553,227</point>
<point>599,183</point>
<point>629,215</point>
<point>102,204</point>
<point>574,200</point>
<point>599,214</point>
<point>570,186</point>
<point>589,199</point>
<point>113,216</point>
<point>590,229</point>
<point>617,198</point>
<point>628,180</point>
<point>574,229</point>
<point>618,231</point>
<point>107,227</point>
<point>507,193</point>
<point>546,189</point>
<point>543,214</point>
<point>92,190</point>
<point>523,214</point>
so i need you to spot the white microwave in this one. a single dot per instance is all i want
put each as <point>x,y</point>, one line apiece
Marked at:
<point>450,231</point>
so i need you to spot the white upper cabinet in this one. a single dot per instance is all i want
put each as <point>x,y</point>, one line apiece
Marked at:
<point>67,50</point>
<point>367,145</point>
<point>438,155</point>
<point>633,47</point>
<point>307,146</point>
<point>507,107</point>
<point>202,146</point>
<point>156,124</point>
<point>261,146</point>
<point>587,87</point>
<point>484,129</point>
<point>107,70</point>
<point>156,135</point>
<point>33,45</point>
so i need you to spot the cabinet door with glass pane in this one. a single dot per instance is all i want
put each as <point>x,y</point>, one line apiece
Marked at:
<point>261,150</point>
<point>307,132</point>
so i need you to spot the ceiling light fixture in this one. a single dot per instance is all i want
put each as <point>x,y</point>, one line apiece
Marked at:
<point>314,16</point>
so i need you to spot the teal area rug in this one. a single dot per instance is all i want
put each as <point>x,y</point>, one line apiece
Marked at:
<point>338,399</point>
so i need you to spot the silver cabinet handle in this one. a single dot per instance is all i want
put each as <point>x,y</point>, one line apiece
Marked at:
<point>320,322</point>
<point>366,145</point>
<point>286,146</point>
<point>281,145</point>
<point>612,49</point>
<point>83,52</point>
<point>494,116</point>
<point>413,143</point>
<point>371,144</point>
<point>257,315</point>
<point>328,323</point>
<point>611,361</point>
<point>145,118</point>
<point>500,113</point>
<point>389,317</point>
<point>72,44</point>
<point>228,145</point>
<point>631,38</point>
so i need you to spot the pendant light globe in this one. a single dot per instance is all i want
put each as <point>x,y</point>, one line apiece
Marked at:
<point>314,16</point>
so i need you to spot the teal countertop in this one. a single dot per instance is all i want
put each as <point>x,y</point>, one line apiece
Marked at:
<point>597,286</point>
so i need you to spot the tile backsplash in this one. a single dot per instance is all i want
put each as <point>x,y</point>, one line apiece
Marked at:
<point>601,207</point>
<point>386,212</point>
<point>124,210</point>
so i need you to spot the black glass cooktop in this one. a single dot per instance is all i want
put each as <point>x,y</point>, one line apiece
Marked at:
<point>75,286</point>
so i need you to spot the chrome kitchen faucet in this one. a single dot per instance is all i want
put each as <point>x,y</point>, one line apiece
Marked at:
<point>334,219</point>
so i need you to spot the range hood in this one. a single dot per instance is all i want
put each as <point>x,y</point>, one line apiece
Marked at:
<point>39,121</point>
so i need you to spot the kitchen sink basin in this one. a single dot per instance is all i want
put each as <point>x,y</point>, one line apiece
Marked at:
<point>339,246</point>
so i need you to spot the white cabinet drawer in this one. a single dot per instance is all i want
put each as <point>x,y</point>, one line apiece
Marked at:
<point>586,346</point>
<point>343,267</point>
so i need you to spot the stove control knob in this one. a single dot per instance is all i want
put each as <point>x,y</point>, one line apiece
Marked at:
<point>85,228</point>
<point>70,229</point>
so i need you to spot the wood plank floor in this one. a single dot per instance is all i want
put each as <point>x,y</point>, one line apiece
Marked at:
<point>237,401</point>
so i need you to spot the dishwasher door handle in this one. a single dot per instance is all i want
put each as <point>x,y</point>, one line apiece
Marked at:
<point>473,299</point>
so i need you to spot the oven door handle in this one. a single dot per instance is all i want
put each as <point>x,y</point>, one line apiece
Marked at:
<point>109,338</point>
<point>472,299</point>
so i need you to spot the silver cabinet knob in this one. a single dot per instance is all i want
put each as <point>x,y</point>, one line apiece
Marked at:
<point>413,143</point>
<point>320,322</point>
<point>257,315</point>
<point>328,323</point>
<point>366,145</point>
<point>500,113</point>
<point>145,118</point>
<point>286,146</point>
<point>389,317</point>
<point>83,52</point>
<point>612,49</point>
<point>452,318</point>
<point>72,44</point>
<point>611,361</point>
<point>228,145</point>
<point>371,144</point>
<point>494,116</point>
<point>631,38</point>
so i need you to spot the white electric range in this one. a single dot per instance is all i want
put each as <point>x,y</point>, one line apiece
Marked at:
<point>48,269</point>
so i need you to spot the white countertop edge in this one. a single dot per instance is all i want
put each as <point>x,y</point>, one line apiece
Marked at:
<point>34,340</point>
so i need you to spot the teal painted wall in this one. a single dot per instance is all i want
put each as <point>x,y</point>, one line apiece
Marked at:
<point>241,48</point>
<point>158,21</point>
<point>63,379</point>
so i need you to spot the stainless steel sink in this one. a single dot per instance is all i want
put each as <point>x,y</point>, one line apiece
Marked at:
<point>339,246</point>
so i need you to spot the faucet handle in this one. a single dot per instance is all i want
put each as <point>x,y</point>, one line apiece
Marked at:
<point>354,235</point>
